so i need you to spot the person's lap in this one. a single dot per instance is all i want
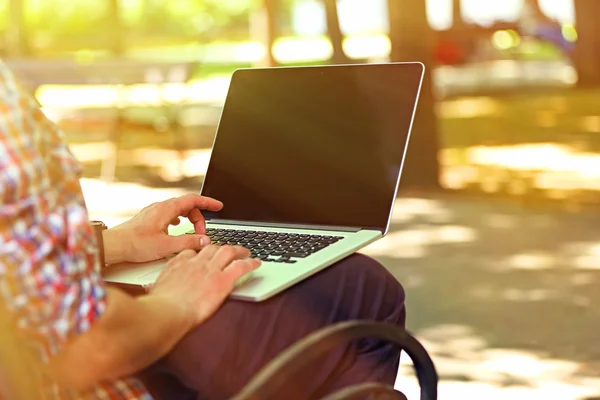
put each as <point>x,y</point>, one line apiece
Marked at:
<point>219,357</point>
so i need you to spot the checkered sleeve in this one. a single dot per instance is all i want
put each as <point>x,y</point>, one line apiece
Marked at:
<point>49,270</point>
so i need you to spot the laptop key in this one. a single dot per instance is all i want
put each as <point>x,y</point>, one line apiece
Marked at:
<point>296,255</point>
<point>263,244</point>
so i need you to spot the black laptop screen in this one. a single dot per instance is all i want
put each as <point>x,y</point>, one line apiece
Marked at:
<point>313,145</point>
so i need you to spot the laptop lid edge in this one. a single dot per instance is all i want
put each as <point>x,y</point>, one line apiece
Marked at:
<point>414,113</point>
<point>323,227</point>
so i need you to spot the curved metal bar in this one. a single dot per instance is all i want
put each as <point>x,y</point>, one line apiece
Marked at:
<point>377,391</point>
<point>273,377</point>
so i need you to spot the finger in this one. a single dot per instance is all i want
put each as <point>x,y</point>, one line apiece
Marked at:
<point>185,204</point>
<point>196,218</point>
<point>207,253</point>
<point>239,268</point>
<point>177,244</point>
<point>226,255</point>
<point>183,256</point>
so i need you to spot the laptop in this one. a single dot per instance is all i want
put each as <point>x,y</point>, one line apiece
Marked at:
<point>307,162</point>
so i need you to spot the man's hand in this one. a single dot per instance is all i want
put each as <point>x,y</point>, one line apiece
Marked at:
<point>200,282</point>
<point>145,237</point>
<point>121,342</point>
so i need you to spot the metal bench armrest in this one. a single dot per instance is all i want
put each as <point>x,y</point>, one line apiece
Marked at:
<point>274,376</point>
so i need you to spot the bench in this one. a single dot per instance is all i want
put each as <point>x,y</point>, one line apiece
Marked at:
<point>271,380</point>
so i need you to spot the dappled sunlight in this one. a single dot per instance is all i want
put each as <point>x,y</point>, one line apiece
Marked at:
<point>407,209</point>
<point>196,162</point>
<point>507,307</point>
<point>526,157</point>
<point>454,234</point>
<point>172,165</point>
<point>470,369</point>
<point>501,221</point>
<point>367,46</point>
<point>583,279</point>
<point>479,296</point>
<point>527,295</point>
<point>531,261</point>
<point>210,90</point>
<point>488,293</point>
<point>413,242</point>
<point>542,166</point>
<point>583,255</point>
<point>474,107</point>
<point>404,244</point>
<point>92,152</point>
<point>116,202</point>
<point>588,261</point>
<point>169,165</point>
<point>306,49</point>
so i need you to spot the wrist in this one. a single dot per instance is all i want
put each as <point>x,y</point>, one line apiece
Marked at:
<point>115,246</point>
<point>181,317</point>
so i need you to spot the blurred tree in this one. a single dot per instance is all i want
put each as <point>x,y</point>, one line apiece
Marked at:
<point>68,25</point>
<point>457,17</point>
<point>334,31</point>
<point>412,40</point>
<point>265,29</point>
<point>198,16</point>
<point>115,23</point>
<point>534,6</point>
<point>17,43</point>
<point>586,56</point>
<point>153,15</point>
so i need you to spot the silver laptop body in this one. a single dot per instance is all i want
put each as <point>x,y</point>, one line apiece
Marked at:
<point>307,162</point>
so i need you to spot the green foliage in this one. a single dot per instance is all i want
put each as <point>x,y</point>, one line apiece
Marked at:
<point>69,25</point>
<point>64,17</point>
<point>188,17</point>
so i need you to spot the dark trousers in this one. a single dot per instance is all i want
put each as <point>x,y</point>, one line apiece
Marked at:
<point>219,357</point>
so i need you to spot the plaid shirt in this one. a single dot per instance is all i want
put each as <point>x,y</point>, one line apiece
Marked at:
<point>49,269</point>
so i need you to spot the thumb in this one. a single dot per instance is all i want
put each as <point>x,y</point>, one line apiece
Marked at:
<point>176,244</point>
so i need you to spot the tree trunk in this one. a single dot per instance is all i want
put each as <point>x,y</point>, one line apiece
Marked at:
<point>117,33</point>
<point>265,29</point>
<point>534,5</point>
<point>412,40</point>
<point>17,41</point>
<point>153,14</point>
<point>586,56</point>
<point>457,18</point>
<point>334,31</point>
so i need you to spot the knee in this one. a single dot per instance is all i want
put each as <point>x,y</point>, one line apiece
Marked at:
<point>371,288</point>
<point>372,275</point>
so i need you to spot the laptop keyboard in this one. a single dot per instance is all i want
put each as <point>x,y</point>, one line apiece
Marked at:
<point>273,246</point>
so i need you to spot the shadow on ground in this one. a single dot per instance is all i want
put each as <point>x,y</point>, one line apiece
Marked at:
<point>499,294</point>
<point>505,298</point>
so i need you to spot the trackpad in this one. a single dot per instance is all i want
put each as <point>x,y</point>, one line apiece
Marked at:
<point>151,275</point>
<point>134,273</point>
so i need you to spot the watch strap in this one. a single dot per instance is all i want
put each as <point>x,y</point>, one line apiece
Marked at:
<point>99,227</point>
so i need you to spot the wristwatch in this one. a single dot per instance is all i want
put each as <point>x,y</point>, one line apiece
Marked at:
<point>99,226</point>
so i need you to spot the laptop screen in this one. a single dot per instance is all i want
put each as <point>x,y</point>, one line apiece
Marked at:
<point>313,145</point>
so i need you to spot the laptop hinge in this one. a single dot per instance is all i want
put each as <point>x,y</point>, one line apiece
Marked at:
<point>288,226</point>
